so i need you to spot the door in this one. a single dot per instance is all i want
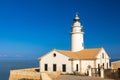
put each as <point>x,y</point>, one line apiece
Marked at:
<point>76,67</point>
<point>64,67</point>
<point>46,67</point>
<point>54,67</point>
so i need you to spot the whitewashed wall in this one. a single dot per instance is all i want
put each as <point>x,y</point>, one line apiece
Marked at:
<point>75,62</point>
<point>100,60</point>
<point>58,60</point>
<point>84,65</point>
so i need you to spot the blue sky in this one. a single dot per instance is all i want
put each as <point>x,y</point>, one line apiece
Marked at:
<point>31,28</point>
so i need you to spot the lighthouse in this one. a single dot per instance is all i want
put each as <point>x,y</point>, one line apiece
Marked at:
<point>77,42</point>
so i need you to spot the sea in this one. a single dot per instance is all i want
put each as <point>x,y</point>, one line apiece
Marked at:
<point>12,64</point>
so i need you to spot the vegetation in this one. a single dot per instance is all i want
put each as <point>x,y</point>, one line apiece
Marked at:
<point>25,79</point>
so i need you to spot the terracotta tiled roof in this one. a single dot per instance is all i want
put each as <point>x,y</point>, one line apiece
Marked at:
<point>83,54</point>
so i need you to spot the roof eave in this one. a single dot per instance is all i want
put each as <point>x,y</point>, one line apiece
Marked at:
<point>46,54</point>
<point>83,59</point>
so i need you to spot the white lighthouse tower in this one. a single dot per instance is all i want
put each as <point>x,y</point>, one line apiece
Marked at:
<point>77,42</point>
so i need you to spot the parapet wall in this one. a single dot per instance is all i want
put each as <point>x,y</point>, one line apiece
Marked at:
<point>25,74</point>
<point>115,64</point>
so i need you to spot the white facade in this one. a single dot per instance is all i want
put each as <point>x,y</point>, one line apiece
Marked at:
<point>102,59</point>
<point>76,65</point>
<point>50,59</point>
<point>81,66</point>
<point>77,42</point>
<point>85,64</point>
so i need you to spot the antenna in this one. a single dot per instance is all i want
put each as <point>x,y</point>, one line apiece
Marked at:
<point>76,13</point>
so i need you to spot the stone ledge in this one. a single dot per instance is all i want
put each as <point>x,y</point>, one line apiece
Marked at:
<point>25,74</point>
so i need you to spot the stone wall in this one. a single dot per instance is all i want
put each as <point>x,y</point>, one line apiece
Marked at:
<point>116,64</point>
<point>25,74</point>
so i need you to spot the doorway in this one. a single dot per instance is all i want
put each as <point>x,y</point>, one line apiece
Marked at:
<point>54,67</point>
<point>64,67</point>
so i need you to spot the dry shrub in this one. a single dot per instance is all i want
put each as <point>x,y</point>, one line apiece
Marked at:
<point>25,79</point>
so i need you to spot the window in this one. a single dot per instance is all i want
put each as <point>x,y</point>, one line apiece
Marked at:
<point>54,55</point>
<point>76,67</point>
<point>103,55</point>
<point>103,65</point>
<point>82,45</point>
<point>54,67</point>
<point>64,67</point>
<point>46,67</point>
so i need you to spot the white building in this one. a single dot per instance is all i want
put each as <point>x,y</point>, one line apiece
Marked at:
<point>77,59</point>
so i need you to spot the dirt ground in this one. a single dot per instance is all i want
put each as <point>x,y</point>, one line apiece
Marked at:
<point>74,77</point>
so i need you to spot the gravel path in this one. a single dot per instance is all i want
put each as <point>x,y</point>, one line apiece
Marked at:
<point>73,77</point>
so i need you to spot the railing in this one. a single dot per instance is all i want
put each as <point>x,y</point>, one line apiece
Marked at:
<point>95,72</point>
